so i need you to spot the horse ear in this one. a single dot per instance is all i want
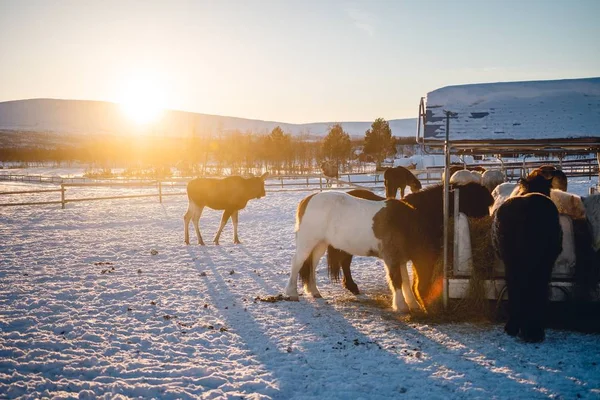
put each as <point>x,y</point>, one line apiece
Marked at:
<point>523,182</point>
<point>264,176</point>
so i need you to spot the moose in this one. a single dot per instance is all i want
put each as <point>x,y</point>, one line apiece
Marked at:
<point>229,194</point>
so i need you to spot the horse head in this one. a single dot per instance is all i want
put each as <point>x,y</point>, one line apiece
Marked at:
<point>475,200</point>
<point>539,181</point>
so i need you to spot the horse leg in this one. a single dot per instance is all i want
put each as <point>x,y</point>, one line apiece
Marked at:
<point>193,213</point>
<point>304,249</point>
<point>224,219</point>
<point>425,289</point>
<point>394,278</point>
<point>402,191</point>
<point>409,296</point>
<point>234,220</point>
<point>310,287</point>
<point>347,281</point>
<point>186,226</point>
<point>514,299</point>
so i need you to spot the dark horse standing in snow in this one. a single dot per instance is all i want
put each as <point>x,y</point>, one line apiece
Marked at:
<point>392,230</point>
<point>330,170</point>
<point>229,194</point>
<point>398,178</point>
<point>527,236</point>
<point>475,202</point>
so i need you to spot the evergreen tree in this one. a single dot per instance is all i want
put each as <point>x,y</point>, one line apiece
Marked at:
<point>336,145</point>
<point>379,142</point>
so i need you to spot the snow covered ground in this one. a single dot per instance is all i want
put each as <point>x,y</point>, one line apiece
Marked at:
<point>103,299</point>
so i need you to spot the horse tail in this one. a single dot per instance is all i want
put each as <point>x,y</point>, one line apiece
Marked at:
<point>333,264</point>
<point>302,209</point>
<point>306,270</point>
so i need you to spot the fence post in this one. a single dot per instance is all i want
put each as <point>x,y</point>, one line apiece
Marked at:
<point>62,195</point>
<point>160,192</point>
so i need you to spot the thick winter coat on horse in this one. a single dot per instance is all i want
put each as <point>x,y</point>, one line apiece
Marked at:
<point>398,178</point>
<point>527,237</point>
<point>428,203</point>
<point>229,194</point>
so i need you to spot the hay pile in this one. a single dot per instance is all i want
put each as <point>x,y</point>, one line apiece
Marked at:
<point>474,305</point>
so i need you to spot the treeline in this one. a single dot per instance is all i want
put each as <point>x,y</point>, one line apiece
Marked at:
<point>232,152</point>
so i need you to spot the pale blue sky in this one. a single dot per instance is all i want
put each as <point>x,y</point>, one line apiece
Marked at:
<point>289,61</point>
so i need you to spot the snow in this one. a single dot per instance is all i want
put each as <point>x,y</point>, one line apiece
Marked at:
<point>558,109</point>
<point>103,299</point>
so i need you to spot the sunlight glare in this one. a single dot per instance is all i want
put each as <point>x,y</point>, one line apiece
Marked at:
<point>142,101</point>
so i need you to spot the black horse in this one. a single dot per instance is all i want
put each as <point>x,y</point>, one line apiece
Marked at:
<point>475,202</point>
<point>527,237</point>
<point>398,178</point>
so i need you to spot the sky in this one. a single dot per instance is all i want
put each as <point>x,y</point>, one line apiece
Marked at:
<point>288,61</point>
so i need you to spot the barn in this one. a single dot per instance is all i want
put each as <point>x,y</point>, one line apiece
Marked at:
<point>559,117</point>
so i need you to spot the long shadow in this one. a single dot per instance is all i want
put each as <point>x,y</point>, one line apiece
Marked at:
<point>320,326</point>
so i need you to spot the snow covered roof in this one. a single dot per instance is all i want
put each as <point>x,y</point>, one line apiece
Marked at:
<point>535,110</point>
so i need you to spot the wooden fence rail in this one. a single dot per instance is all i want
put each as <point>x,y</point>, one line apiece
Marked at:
<point>303,183</point>
<point>287,183</point>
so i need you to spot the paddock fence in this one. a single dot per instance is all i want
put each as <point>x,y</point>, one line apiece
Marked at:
<point>277,183</point>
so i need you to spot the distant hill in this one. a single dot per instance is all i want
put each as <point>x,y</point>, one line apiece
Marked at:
<point>81,117</point>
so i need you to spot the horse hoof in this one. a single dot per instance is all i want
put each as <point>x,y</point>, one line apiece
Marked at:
<point>187,243</point>
<point>294,298</point>
<point>317,296</point>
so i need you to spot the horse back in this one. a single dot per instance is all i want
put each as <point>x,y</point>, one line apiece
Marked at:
<point>220,193</point>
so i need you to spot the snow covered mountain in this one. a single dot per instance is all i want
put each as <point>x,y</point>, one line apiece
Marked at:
<point>97,117</point>
<point>556,109</point>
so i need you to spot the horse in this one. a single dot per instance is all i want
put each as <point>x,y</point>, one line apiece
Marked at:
<point>527,237</point>
<point>357,226</point>
<point>592,211</point>
<point>465,176</point>
<point>229,194</point>
<point>558,177</point>
<point>398,178</point>
<point>458,167</point>
<point>330,170</point>
<point>475,202</point>
<point>492,178</point>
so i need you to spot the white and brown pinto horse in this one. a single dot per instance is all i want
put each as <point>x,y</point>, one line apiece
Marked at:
<point>392,230</point>
<point>359,227</point>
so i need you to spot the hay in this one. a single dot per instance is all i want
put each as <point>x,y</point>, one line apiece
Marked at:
<point>475,305</point>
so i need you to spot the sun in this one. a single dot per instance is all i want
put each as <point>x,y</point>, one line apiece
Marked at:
<point>142,101</point>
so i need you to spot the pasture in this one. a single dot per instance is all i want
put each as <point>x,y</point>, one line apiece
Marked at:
<point>104,299</point>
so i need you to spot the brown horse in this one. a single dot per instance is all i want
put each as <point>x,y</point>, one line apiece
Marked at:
<point>330,170</point>
<point>398,178</point>
<point>558,177</point>
<point>229,194</point>
<point>428,233</point>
